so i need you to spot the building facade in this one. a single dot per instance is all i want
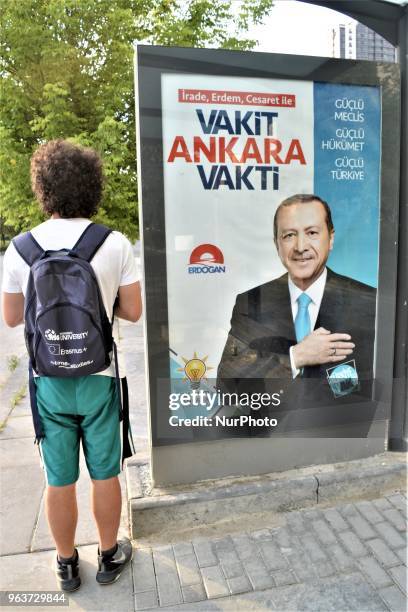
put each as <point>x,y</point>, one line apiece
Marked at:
<point>357,41</point>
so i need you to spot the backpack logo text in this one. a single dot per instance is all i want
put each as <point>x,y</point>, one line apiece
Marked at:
<point>50,334</point>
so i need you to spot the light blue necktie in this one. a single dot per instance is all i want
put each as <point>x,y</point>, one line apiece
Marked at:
<point>302,321</point>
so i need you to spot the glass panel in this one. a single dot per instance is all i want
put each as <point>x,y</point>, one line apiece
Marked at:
<point>225,139</point>
<point>283,32</point>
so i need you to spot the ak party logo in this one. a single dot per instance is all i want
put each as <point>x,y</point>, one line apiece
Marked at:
<point>206,259</point>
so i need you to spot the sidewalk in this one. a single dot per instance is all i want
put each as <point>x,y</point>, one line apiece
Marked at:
<point>348,557</point>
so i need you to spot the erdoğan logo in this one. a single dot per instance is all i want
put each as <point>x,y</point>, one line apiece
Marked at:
<point>206,259</point>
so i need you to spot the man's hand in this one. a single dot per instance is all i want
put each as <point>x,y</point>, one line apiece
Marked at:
<point>321,346</point>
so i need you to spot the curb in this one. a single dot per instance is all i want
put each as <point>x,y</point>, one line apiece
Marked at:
<point>372,482</point>
<point>165,514</point>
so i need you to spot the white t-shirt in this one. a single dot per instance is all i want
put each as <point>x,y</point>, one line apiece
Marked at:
<point>114,265</point>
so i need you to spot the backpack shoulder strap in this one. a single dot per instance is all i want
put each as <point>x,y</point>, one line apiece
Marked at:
<point>90,240</point>
<point>28,248</point>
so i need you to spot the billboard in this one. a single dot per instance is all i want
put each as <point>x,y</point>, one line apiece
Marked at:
<point>243,358</point>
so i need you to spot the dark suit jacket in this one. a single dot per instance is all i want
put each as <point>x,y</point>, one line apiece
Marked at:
<point>256,354</point>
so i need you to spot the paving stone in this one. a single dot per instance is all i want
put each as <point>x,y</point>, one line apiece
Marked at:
<point>302,566</point>
<point>205,554</point>
<point>349,592</point>
<point>348,510</point>
<point>324,533</point>
<point>382,504</point>
<point>396,518</point>
<point>146,600</point>
<point>342,560</point>
<point>312,547</point>
<point>224,544</point>
<point>225,551</point>
<point>402,554</point>
<point>169,590</point>
<point>383,553</point>
<point>399,574</point>
<point>394,599</point>
<point>295,522</point>
<point>369,511</point>
<point>399,501</point>
<point>390,535</point>
<point>20,426</point>
<point>239,584</point>
<point>258,574</point>
<point>232,570</point>
<point>166,576</point>
<point>272,556</point>
<point>282,537</point>
<point>244,546</point>
<point>194,592</point>
<point>324,569</point>
<point>374,572</point>
<point>362,527</point>
<point>214,582</point>
<point>144,578</point>
<point>163,557</point>
<point>352,544</point>
<point>335,519</point>
<point>188,570</point>
<point>295,544</point>
<point>312,515</point>
<point>261,534</point>
<point>25,493</point>
<point>284,577</point>
<point>181,549</point>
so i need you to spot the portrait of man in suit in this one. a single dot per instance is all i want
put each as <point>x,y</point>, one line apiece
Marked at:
<point>309,332</point>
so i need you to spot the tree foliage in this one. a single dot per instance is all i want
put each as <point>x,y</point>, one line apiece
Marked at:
<point>67,71</point>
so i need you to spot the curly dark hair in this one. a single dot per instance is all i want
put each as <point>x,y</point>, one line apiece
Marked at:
<point>67,179</point>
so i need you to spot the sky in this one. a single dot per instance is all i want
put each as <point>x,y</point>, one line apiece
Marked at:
<point>298,28</point>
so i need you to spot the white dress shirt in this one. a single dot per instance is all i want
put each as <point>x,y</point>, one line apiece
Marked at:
<point>315,292</point>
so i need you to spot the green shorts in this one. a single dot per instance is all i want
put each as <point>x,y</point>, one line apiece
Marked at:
<point>72,409</point>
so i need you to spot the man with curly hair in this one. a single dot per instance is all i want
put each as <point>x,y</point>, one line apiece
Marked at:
<point>67,180</point>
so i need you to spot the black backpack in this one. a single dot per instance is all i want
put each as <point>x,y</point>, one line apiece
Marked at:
<point>67,330</point>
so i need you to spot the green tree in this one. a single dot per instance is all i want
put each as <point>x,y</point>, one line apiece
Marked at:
<point>67,70</point>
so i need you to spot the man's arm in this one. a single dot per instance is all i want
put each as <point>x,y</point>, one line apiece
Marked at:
<point>12,305</point>
<point>129,305</point>
<point>250,352</point>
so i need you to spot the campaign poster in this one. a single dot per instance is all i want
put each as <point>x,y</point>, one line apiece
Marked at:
<point>235,148</point>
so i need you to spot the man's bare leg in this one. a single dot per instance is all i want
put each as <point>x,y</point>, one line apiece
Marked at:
<point>106,507</point>
<point>62,515</point>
